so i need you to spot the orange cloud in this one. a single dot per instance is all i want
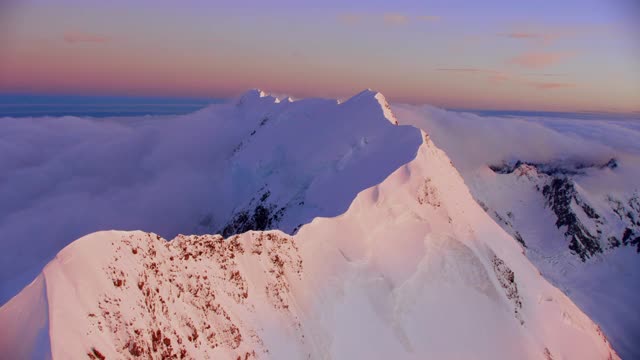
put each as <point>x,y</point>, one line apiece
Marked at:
<point>81,37</point>
<point>538,60</point>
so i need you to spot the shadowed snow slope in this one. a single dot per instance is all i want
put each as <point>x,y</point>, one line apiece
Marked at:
<point>254,164</point>
<point>413,269</point>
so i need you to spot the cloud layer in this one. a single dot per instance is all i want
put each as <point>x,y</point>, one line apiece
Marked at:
<point>473,141</point>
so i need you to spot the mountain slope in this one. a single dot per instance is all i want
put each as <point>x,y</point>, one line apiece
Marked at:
<point>253,164</point>
<point>567,190</point>
<point>413,269</point>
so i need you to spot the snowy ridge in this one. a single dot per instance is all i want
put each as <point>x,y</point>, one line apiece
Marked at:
<point>566,190</point>
<point>253,164</point>
<point>413,269</point>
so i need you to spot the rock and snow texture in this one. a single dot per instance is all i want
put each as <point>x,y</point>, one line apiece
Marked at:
<point>568,191</point>
<point>413,269</point>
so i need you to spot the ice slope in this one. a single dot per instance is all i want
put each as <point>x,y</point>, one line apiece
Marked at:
<point>413,269</point>
<point>572,200</point>
<point>259,162</point>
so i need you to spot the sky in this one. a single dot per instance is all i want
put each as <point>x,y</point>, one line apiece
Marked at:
<point>570,55</point>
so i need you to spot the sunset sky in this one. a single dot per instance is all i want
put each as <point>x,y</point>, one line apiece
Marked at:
<point>569,55</point>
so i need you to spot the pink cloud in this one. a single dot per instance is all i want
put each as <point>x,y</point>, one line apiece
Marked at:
<point>350,19</point>
<point>469,70</point>
<point>386,18</point>
<point>518,35</point>
<point>550,85</point>
<point>544,38</point>
<point>538,60</point>
<point>395,19</point>
<point>499,77</point>
<point>82,37</point>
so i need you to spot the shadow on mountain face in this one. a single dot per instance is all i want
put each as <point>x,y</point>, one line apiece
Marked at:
<point>258,163</point>
<point>302,164</point>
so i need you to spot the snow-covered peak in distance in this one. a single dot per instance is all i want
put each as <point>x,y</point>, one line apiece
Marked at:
<point>257,94</point>
<point>372,96</point>
<point>252,96</point>
<point>413,269</point>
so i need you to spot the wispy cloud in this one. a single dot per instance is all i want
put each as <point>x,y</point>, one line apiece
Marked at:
<point>550,85</point>
<point>73,37</point>
<point>499,77</point>
<point>547,74</point>
<point>544,38</point>
<point>469,70</point>
<point>350,19</point>
<point>395,19</point>
<point>539,60</point>
<point>545,35</point>
<point>518,35</point>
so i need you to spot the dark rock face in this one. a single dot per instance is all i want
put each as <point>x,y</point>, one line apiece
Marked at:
<point>552,169</point>
<point>262,217</point>
<point>506,224</point>
<point>588,231</point>
<point>629,214</point>
<point>559,195</point>
<point>507,280</point>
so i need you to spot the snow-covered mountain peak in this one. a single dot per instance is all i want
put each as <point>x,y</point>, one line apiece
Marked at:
<point>256,95</point>
<point>376,97</point>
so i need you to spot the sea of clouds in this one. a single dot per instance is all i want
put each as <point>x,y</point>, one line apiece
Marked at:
<point>65,177</point>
